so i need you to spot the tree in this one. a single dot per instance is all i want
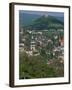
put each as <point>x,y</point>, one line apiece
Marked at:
<point>49,46</point>
<point>42,52</point>
<point>34,67</point>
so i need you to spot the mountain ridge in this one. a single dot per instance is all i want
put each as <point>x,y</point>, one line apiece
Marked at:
<point>45,22</point>
<point>27,19</point>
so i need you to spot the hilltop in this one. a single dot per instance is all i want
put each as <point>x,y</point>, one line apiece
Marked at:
<point>45,22</point>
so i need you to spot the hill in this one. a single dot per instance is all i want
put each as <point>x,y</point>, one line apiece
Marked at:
<point>44,22</point>
<point>26,19</point>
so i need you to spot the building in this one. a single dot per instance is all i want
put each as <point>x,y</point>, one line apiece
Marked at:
<point>21,31</point>
<point>61,41</point>
<point>32,46</point>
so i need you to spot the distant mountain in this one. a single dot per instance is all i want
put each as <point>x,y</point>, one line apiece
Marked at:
<point>39,22</point>
<point>48,20</point>
<point>26,19</point>
<point>45,22</point>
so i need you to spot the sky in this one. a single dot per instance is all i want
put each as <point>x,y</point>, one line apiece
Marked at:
<point>59,14</point>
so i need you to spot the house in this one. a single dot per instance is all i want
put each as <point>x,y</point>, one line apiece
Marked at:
<point>32,46</point>
<point>56,36</point>
<point>39,33</point>
<point>61,41</point>
<point>49,41</point>
<point>61,58</point>
<point>23,39</point>
<point>21,45</point>
<point>21,31</point>
<point>30,53</point>
<point>29,31</point>
<point>61,30</point>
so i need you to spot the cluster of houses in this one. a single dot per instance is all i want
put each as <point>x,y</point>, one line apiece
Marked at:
<point>39,40</point>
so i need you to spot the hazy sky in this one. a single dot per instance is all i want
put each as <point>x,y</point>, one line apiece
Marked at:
<point>60,14</point>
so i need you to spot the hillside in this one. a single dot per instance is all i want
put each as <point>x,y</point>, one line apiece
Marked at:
<point>26,19</point>
<point>44,22</point>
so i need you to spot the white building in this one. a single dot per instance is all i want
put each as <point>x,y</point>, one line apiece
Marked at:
<point>29,53</point>
<point>21,31</point>
<point>32,46</point>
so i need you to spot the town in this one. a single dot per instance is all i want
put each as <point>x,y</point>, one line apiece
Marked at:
<point>50,42</point>
<point>43,52</point>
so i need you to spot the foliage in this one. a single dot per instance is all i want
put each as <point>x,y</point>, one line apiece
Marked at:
<point>36,67</point>
<point>43,22</point>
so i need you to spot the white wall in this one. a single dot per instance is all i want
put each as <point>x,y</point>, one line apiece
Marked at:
<point>4,44</point>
